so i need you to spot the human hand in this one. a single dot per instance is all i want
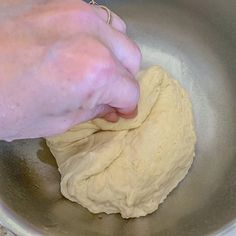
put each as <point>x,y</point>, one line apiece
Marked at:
<point>62,64</point>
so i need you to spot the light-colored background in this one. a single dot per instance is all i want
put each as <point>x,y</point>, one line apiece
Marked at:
<point>5,232</point>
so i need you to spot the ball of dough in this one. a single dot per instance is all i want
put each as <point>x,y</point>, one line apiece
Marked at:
<point>129,167</point>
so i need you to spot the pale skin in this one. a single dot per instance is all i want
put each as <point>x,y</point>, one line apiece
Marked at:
<point>61,64</point>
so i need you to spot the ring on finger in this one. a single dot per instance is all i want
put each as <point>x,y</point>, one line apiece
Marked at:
<point>109,16</point>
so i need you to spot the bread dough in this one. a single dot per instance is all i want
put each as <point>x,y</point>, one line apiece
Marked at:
<point>130,166</point>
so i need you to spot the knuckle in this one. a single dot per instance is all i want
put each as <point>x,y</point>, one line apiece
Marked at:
<point>84,13</point>
<point>123,26</point>
<point>98,73</point>
<point>137,52</point>
<point>103,61</point>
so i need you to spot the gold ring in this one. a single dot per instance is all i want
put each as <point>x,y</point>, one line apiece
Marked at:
<point>92,2</point>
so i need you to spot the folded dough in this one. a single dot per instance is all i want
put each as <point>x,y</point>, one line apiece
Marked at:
<point>129,167</point>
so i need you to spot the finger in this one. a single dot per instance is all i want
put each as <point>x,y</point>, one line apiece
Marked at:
<point>125,50</point>
<point>111,117</point>
<point>130,115</point>
<point>101,111</point>
<point>122,91</point>
<point>116,22</point>
<point>108,114</point>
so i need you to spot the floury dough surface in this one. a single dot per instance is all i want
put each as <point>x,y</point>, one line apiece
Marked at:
<point>130,166</point>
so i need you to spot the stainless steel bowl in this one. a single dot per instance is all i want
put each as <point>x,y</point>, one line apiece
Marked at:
<point>195,42</point>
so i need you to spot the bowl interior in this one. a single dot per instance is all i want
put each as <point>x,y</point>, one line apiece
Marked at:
<point>195,42</point>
